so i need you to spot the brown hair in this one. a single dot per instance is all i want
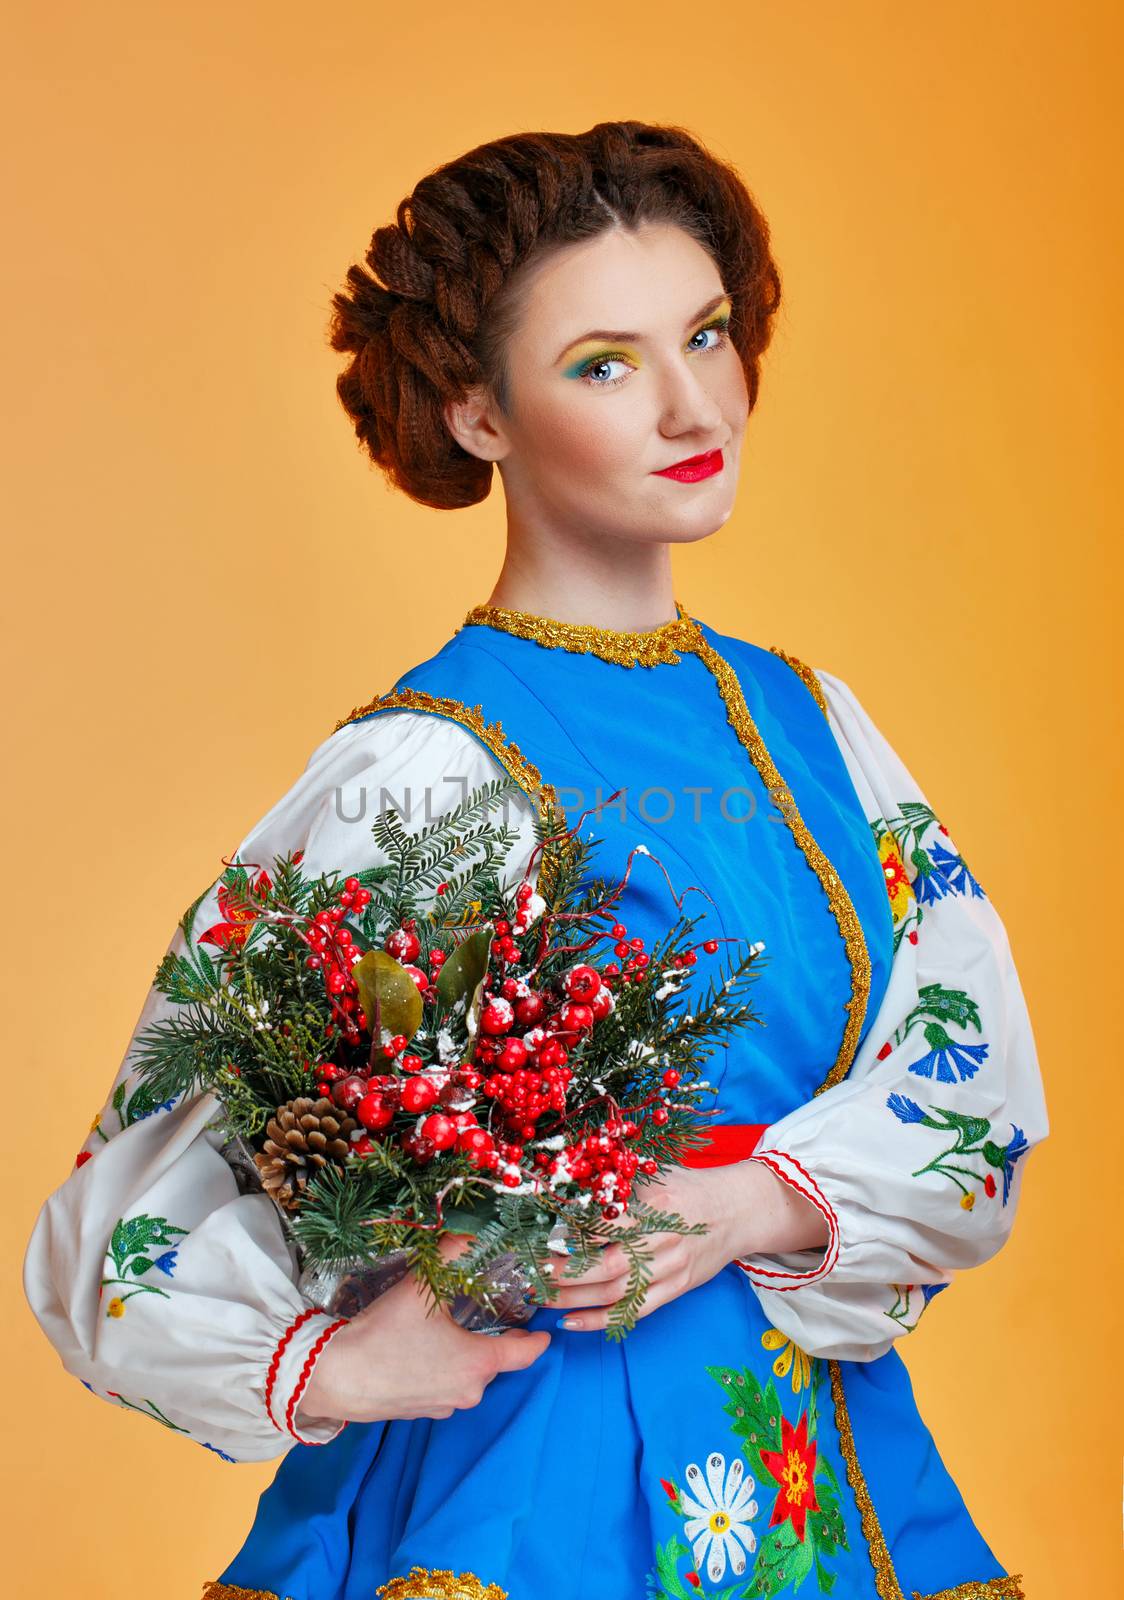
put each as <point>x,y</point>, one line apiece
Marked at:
<point>432,317</point>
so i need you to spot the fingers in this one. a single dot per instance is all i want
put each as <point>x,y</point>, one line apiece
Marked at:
<point>592,1294</point>
<point>517,1349</point>
<point>611,1263</point>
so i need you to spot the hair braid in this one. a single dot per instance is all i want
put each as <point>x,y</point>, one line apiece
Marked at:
<point>429,315</point>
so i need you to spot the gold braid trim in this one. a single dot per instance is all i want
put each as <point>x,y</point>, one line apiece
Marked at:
<point>842,909</point>
<point>649,647</point>
<point>423,1583</point>
<point>1009,1588</point>
<point>805,672</point>
<point>660,644</point>
<point>885,1580</point>
<point>232,1591</point>
<point>525,773</point>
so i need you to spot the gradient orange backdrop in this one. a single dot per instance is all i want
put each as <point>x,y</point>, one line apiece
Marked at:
<point>203,575</point>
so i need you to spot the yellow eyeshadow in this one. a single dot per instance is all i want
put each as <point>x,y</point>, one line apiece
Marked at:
<point>591,351</point>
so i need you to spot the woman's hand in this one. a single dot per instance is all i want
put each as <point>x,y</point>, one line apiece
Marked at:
<point>398,1358</point>
<point>747,1210</point>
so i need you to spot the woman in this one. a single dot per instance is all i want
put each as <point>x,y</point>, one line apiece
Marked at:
<point>589,312</point>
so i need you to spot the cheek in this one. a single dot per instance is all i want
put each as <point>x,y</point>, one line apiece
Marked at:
<point>586,434</point>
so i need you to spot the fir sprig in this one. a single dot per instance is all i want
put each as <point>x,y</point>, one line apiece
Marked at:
<point>258,1022</point>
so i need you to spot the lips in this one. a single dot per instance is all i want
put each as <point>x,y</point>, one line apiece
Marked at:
<point>693,468</point>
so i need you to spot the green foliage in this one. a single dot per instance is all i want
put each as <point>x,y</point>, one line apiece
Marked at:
<point>252,1022</point>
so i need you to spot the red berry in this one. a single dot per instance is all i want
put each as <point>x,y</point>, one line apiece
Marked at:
<point>373,1111</point>
<point>497,1016</point>
<point>403,944</point>
<point>418,1094</point>
<point>440,1130</point>
<point>670,1078</point>
<point>581,982</point>
<point>710,946</point>
<point>660,1115</point>
<point>529,1009</point>
<point>349,1091</point>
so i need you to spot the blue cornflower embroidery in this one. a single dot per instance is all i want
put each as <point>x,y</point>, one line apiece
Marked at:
<point>166,1263</point>
<point>946,1054</point>
<point>954,870</point>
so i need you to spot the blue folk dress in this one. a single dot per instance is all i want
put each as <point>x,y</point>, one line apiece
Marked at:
<point>756,1436</point>
<point>721,1449</point>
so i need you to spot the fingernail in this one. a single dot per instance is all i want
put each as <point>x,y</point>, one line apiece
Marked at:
<point>573,1322</point>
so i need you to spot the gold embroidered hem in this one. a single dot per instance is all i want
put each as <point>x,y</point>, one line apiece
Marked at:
<point>1009,1588</point>
<point>650,647</point>
<point>422,1583</point>
<point>232,1591</point>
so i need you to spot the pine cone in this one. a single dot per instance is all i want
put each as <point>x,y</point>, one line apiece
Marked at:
<point>301,1137</point>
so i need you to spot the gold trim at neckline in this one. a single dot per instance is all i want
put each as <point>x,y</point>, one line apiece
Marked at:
<point>646,647</point>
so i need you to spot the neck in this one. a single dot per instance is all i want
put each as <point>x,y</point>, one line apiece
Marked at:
<point>624,586</point>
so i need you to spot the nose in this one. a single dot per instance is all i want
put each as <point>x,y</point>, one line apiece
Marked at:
<point>687,405</point>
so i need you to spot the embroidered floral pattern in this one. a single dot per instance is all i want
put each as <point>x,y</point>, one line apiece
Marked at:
<point>905,1308</point>
<point>898,886</point>
<point>947,1058</point>
<point>129,1250</point>
<point>971,1137</point>
<point>909,847</point>
<point>719,1509</point>
<point>805,1527</point>
<point>791,1359</point>
<point>149,1408</point>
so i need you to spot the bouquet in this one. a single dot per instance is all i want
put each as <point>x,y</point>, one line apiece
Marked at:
<point>424,1048</point>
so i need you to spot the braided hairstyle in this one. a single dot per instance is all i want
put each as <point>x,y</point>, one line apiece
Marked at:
<point>432,317</point>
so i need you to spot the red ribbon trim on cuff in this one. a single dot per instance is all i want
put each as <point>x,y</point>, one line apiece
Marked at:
<point>275,1363</point>
<point>310,1361</point>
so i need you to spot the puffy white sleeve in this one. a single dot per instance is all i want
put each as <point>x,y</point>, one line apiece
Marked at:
<point>916,1158</point>
<point>162,1287</point>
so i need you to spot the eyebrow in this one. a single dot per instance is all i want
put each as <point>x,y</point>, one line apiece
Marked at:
<point>620,336</point>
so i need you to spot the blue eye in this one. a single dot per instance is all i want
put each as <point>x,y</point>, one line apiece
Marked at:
<point>596,371</point>
<point>588,368</point>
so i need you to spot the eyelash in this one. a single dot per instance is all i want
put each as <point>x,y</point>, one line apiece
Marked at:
<point>718,324</point>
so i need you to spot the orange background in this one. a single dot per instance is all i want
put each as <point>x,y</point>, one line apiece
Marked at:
<point>204,575</point>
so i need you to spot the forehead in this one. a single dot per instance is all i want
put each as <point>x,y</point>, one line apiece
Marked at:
<point>651,279</point>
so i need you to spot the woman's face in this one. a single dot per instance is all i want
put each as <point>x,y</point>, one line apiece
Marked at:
<point>620,367</point>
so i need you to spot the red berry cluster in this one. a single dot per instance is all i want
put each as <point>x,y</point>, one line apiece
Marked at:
<point>518,1072</point>
<point>333,952</point>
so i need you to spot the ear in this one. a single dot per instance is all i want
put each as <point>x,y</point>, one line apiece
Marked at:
<point>475,423</point>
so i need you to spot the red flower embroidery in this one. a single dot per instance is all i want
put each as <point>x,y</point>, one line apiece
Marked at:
<point>237,914</point>
<point>794,1468</point>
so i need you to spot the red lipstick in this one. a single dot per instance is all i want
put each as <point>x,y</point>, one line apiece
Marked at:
<point>694,467</point>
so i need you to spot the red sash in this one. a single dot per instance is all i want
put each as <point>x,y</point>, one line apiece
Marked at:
<point>728,1142</point>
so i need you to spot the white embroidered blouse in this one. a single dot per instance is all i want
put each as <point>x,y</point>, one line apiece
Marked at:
<point>165,1289</point>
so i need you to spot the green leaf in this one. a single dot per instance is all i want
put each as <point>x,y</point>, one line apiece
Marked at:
<point>950,1005</point>
<point>384,981</point>
<point>142,1103</point>
<point>464,971</point>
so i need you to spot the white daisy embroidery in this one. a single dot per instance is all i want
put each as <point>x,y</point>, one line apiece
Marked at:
<point>718,1516</point>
